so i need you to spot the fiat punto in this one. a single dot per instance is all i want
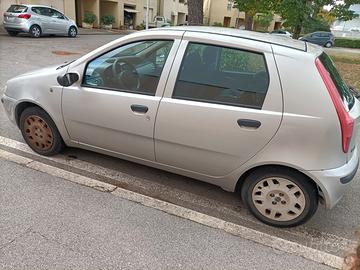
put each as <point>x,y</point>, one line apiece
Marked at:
<point>262,115</point>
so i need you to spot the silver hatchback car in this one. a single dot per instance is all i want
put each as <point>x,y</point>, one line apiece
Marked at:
<point>266,116</point>
<point>37,21</point>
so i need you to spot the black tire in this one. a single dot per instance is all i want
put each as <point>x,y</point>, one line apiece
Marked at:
<point>57,144</point>
<point>309,191</point>
<point>72,32</point>
<point>35,31</point>
<point>12,33</point>
<point>328,44</point>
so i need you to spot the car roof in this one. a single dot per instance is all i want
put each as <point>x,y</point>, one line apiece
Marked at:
<point>263,37</point>
<point>30,6</point>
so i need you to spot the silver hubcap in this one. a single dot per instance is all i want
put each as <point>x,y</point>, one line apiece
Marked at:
<point>72,32</point>
<point>278,199</point>
<point>36,31</point>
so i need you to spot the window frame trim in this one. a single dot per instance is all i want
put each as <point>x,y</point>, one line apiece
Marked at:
<point>219,102</point>
<point>115,48</point>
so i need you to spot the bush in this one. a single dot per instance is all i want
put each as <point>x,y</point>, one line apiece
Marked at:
<point>219,24</point>
<point>140,27</point>
<point>347,43</point>
<point>89,17</point>
<point>107,19</point>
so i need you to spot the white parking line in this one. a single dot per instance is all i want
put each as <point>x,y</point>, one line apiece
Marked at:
<point>235,229</point>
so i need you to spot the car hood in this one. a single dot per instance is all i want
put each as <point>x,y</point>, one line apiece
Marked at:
<point>44,78</point>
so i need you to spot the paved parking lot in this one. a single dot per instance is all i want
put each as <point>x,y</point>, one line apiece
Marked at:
<point>329,231</point>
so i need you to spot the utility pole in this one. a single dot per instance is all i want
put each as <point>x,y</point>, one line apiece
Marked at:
<point>147,15</point>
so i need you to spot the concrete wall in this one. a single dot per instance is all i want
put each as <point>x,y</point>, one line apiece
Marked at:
<point>171,9</point>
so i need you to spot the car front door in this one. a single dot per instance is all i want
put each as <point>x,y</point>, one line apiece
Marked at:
<point>58,22</point>
<point>115,105</point>
<point>222,105</point>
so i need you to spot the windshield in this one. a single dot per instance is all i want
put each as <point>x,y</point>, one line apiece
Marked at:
<point>344,91</point>
<point>17,9</point>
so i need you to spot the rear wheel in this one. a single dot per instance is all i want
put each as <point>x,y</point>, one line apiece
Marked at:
<point>13,33</point>
<point>328,44</point>
<point>40,132</point>
<point>72,32</point>
<point>35,31</point>
<point>280,197</point>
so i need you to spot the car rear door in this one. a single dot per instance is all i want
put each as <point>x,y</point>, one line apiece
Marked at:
<point>112,111</point>
<point>222,104</point>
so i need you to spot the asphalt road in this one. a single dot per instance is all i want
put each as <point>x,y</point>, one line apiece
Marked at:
<point>328,230</point>
<point>49,223</point>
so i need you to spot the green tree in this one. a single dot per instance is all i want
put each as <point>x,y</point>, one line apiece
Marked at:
<point>251,8</point>
<point>297,13</point>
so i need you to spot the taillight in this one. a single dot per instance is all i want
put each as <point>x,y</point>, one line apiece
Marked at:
<point>24,16</point>
<point>346,122</point>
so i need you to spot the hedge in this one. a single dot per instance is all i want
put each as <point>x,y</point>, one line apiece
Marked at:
<point>347,43</point>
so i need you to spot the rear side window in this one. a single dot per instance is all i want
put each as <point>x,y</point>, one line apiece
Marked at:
<point>17,9</point>
<point>222,75</point>
<point>344,91</point>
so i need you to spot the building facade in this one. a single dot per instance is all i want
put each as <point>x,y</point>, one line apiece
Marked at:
<point>176,11</point>
<point>127,13</point>
<point>218,12</point>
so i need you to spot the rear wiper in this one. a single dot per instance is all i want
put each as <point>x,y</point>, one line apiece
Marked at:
<point>354,91</point>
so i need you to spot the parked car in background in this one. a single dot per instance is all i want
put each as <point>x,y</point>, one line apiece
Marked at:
<point>38,20</point>
<point>281,33</point>
<point>325,39</point>
<point>216,104</point>
<point>159,21</point>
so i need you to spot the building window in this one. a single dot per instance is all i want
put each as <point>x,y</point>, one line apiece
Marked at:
<point>230,4</point>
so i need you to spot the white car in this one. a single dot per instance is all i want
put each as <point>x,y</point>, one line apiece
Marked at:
<point>281,33</point>
<point>266,116</point>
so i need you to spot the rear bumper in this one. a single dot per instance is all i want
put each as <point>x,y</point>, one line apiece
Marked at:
<point>18,27</point>
<point>335,182</point>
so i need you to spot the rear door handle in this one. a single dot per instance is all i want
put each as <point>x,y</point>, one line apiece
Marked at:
<point>139,108</point>
<point>249,123</point>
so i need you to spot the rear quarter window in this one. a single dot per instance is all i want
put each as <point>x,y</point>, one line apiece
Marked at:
<point>344,91</point>
<point>17,9</point>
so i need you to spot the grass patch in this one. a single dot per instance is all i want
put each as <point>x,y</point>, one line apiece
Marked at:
<point>348,64</point>
<point>347,43</point>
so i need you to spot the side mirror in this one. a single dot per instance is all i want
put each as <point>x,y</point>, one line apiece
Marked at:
<point>68,79</point>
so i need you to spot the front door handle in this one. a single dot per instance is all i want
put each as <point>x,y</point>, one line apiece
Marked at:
<point>249,123</point>
<point>139,108</point>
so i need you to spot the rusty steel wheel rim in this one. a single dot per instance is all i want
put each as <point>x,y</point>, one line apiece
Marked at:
<point>38,133</point>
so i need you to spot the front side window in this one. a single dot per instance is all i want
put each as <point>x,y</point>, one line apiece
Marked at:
<point>134,67</point>
<point>56,14</point>
<point>222,75</point>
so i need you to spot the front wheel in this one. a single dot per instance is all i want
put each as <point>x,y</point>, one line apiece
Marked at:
<point>280,197</point>
<point>40,132</point>
<point>72,32</point>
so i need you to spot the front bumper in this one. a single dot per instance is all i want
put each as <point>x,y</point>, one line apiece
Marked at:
<point>335,182</point>
<point>9,106</point>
